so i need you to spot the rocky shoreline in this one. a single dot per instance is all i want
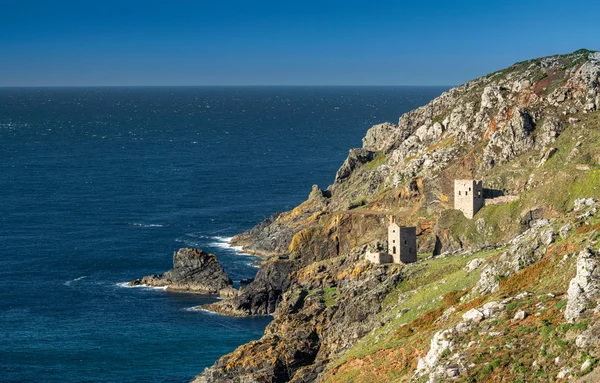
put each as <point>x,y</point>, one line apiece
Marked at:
<point>194,271</point>
<point>531,259</point>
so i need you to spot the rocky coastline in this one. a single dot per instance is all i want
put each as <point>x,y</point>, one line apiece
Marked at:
<point>194,271</point>
<point>521,275</point>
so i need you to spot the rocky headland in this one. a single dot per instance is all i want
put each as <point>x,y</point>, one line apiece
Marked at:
<point>195,271</point>
<point>510,295</point>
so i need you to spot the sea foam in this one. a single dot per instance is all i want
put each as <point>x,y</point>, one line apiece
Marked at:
<point>68,283</point>
<point>142,286</point>
<point>222,242</point>
<point>139,224</point>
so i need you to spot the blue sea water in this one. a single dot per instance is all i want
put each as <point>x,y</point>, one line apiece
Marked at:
<point>99,186</point>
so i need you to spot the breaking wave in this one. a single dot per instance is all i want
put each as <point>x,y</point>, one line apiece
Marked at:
<point>128,286</point>
<point>68,283</point>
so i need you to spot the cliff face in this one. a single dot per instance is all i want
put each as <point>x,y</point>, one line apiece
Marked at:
<point>516,276</point>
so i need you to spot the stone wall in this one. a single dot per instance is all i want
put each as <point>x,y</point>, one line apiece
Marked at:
<point>500,200</point>
<point>377,257</point>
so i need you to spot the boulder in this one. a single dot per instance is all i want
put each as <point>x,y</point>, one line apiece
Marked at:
<point>583,203</point>
<point>473,315</point>
<point>492,308</point>
<point>564,230</point>
<point>563,373</point>
<point>520,315</point>
<point>587,364</point>
<point>590,337</point>
<point>473,264</point>
<point>547,134</point>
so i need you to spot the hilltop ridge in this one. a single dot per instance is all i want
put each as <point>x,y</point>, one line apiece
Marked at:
<point>520,275</point>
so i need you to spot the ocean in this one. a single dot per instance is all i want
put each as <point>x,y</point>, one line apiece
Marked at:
<point>100,186</point>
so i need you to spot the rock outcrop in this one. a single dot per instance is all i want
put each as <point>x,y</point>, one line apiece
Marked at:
<point>193,271</point>
<point>261,296</point>
<point>523,251</point>
<point>584,287</point>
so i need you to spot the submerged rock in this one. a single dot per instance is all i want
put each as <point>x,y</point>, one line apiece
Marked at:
<point>194,270</point>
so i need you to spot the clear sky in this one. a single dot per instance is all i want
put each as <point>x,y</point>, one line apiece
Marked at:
<point>221,42</point>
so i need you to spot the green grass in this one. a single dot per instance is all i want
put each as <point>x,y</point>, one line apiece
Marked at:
<point>432,279</point>
<point>330,296</point>
<point>379,159</point>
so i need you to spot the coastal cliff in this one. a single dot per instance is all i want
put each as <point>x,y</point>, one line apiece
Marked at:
<point>511,294</point>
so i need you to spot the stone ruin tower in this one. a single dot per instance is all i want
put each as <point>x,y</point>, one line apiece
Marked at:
<point>402,242</point>
<point>468,196</point>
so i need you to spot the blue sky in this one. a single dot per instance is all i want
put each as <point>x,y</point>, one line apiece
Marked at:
<point>185,42</point>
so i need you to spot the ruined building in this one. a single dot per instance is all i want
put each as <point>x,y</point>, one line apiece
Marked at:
<point>468,196</point>
<point>402,243</point>
<point>402,246</point>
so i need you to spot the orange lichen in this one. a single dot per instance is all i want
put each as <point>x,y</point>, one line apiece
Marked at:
<point>300,239</point>
<point>491,128</point>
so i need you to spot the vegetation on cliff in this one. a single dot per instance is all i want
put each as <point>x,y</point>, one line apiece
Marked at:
<point>510,295</point>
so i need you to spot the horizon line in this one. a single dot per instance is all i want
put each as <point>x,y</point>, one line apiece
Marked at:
<point>226,86</point>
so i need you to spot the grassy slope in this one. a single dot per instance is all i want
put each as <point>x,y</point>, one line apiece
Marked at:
<point>390,353</point>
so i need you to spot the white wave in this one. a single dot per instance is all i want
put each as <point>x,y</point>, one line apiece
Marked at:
<point>139,224</point>
<point>222,242</point>
<point>218,241</point>
<point>207,311</point>
<point>225,243</point>
<point>196,235</point>
<point>68,283</point>
<point>200,309</point>
<point>142,286</point>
